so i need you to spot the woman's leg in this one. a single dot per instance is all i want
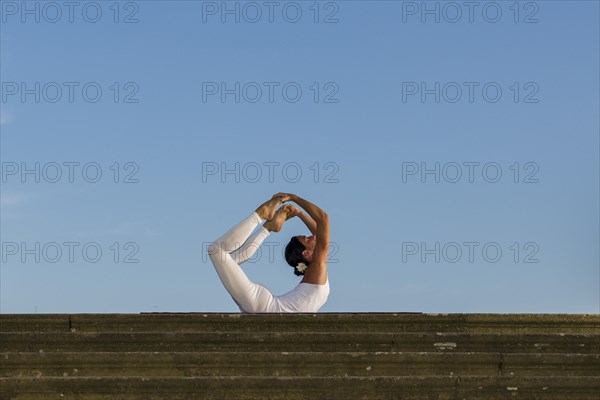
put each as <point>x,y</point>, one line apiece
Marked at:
<point>250,296</point>
<point>247,250</point>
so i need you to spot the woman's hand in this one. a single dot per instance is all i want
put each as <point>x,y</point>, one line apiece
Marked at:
<point>293,210</point>
<point>284,196</point>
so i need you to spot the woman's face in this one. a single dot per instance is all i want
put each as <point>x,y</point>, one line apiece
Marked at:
<point>308,241</point>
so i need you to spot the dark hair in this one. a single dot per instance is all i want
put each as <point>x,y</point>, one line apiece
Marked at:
<point>293,254</point>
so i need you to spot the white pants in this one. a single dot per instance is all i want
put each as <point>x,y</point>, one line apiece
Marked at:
<point>234,248</point>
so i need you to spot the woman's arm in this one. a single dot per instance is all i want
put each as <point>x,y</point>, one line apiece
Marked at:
<point>308,221</point>
<point>313,210</point>
<point>317,270</point>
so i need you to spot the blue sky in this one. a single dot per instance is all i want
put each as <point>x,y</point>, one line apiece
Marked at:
<point>356,141</point>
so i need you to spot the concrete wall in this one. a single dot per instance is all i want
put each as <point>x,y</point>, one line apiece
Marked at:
<point>299,356</point>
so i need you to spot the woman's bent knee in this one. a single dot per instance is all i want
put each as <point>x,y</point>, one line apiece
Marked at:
<point>216,253</point>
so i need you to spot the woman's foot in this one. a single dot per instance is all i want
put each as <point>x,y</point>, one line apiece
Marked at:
<point>268,208</point>
<point>283,214</point>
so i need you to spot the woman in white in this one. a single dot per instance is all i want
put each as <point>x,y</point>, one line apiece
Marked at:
<point>306,254</point>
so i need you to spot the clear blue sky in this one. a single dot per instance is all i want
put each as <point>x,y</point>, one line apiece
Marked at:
<point>361,123</point>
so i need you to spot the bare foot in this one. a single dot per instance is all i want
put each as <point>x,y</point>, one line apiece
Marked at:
<point>268,208</point>
<point>283,214</point>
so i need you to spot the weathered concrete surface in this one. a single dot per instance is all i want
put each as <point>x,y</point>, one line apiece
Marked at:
<point>321,322</point>
<point>299,356</point>
<point>297,364</point>
<point>301,341</point>
<point>401,388</point>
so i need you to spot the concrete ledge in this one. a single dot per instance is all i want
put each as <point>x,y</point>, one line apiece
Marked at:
<point>438,387</point>
<point>181,356</point>
<point>301,341</point>
<point>295,364</point>
<point>321,322</point>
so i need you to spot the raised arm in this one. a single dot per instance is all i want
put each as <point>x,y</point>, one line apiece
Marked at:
<point>317,271</point>
<point>308,221</point>
<point>313,210</point>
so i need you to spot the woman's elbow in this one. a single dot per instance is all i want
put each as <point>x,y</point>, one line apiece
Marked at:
<point>324,217</point>
<point>213,249</point>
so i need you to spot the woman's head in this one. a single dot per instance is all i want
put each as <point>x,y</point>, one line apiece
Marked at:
<point>300,250</point>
